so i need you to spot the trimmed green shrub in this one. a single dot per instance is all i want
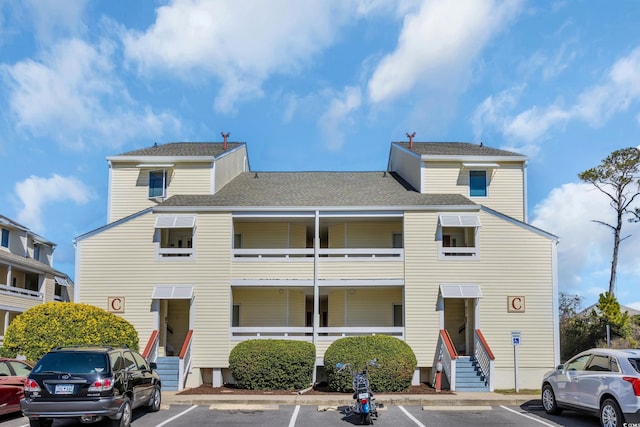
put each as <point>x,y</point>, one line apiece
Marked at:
<point>273,364</point>
<point>396,363</point>
<point>37,330</point>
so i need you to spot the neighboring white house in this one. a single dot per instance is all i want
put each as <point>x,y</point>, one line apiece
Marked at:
<point>201,252</point>
<point>27,276</point>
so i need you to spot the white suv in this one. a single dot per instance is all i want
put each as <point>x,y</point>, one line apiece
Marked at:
<point>600,381</point>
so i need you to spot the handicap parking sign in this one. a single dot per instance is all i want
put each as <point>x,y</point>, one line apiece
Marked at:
<point>515,337</point>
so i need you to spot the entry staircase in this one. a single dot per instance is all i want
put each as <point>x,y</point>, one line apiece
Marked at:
<point>469,377</point>
<point>169,371</point>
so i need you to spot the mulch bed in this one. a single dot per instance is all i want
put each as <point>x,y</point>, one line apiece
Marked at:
<point>319,389</point>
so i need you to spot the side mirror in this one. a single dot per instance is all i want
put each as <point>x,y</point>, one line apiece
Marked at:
<point>153,366</point>
<point>560,367</point>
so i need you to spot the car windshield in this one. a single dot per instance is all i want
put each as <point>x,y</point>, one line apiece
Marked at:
<point>72,363</point>
<point>635,363</point>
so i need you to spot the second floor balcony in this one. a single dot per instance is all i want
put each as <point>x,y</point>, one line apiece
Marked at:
<point>347,247</point>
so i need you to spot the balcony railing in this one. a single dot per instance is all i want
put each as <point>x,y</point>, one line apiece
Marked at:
<point>305,333</point>
<point>11,290</point>
<point>347,253</point>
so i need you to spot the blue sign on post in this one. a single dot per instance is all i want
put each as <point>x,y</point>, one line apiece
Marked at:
<point>515,337</point>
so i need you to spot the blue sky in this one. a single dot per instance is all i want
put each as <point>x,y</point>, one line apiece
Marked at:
<point>321,85</point>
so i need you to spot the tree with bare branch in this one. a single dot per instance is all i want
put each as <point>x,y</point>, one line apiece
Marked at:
<point>617,177</point>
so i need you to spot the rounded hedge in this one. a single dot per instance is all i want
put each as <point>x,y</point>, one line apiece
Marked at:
<point>268,364</point>
<point>396,363</point>
<point>37,330</point>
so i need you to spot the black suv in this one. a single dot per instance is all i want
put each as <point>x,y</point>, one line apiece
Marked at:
<point>90,383</point>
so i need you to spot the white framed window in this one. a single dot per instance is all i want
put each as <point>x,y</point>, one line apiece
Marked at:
<point>457,236</point>
<point>398,315</point>
<point>36,252</point>
<point>157,184</point>
<point>174,237</point>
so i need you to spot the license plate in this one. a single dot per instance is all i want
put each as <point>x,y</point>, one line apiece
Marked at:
<point>363,396</point>
<point>64,389</point>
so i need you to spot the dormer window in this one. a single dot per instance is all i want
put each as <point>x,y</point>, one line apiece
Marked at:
<point>478,183</point>
<point>36,252</point>
<point>4,242</point>
<point>157,184</point>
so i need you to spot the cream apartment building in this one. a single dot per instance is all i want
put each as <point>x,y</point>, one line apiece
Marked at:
<point>27,276</point>
<point>200,253</point>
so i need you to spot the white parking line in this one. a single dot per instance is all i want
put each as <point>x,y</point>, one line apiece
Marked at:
<point>529,416</point>
<point>411,417</point>
<point>177,416</point>
<point>292,422</point>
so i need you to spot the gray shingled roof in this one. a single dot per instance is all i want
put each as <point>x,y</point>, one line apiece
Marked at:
<point>317,189</point>
<point>28,263</point>
<point>456,149</point>
<point>176,149</point>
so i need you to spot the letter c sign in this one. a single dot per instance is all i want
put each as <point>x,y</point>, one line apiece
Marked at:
<point>515,304</point>
<point>115,304</point>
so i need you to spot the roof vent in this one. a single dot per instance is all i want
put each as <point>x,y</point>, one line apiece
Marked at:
<point>410,136</point>
<point>384,174</point>
<point>225,136</point>
<point>155,145</point>
<point>256,175</point>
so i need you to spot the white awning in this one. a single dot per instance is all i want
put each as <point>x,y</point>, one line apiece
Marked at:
<point>175,221</point>
<point>155,165</point>
<point>62,281</point>
<point>481,165</point>
<point>459,220</point>
<point>172,292</point>
<point>460,291</point>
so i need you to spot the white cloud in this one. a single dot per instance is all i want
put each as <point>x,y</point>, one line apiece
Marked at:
<point>240,42</point>
<point>437,45</point>
<point>53,17</point>
<point>335,120</point>
<point>595,105</point>
<point>36,192</point>
<point>71,96</point>
<point>585,249</point>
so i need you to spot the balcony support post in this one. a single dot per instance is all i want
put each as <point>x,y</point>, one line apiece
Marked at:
<point>316,289</point>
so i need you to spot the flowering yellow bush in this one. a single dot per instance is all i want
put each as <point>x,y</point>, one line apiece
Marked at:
<point>37,330</point>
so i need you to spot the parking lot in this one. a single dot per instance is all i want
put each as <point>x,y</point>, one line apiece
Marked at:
<point>315,416</point>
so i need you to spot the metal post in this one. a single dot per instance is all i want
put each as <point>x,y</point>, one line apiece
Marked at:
<point>515,366</point>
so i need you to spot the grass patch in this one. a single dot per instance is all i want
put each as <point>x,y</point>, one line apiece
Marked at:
<point>521,391</point>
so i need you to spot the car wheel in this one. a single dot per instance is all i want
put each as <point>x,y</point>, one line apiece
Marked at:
<point>610,414</point>
<point>156,399</point>
<point>40,422</point>
<point>126,412</point>
<point>549,401</point>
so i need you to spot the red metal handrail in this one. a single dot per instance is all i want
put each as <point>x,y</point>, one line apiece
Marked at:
<point>185,346</point>
<point>448,342</point>
<point>155,336</point>
<point>484,343</point>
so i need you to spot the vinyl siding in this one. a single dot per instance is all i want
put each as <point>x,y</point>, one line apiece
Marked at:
<point>364,306</point>
<point>270,307</point>
<point>296,269</point>
<point>505,185</point>
<point>271,235</point>
<point>523,260</point>
<point>407,166</point>
<point>130,186</point>
<point>229,166</point>
<point>129,246</point>
<point>371,268</point>
<point>364,234</point>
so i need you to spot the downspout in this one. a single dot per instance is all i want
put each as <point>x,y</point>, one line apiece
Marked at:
<point>316,291</point>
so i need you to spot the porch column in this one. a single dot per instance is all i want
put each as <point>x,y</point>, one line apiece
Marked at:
<point>316,290</point>
<point>9,275</point>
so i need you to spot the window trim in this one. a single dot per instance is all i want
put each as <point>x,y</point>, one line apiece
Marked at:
<point>164,184</point>
<point>486,183</point>
<point>5,239</point>
<point>456,220</point>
